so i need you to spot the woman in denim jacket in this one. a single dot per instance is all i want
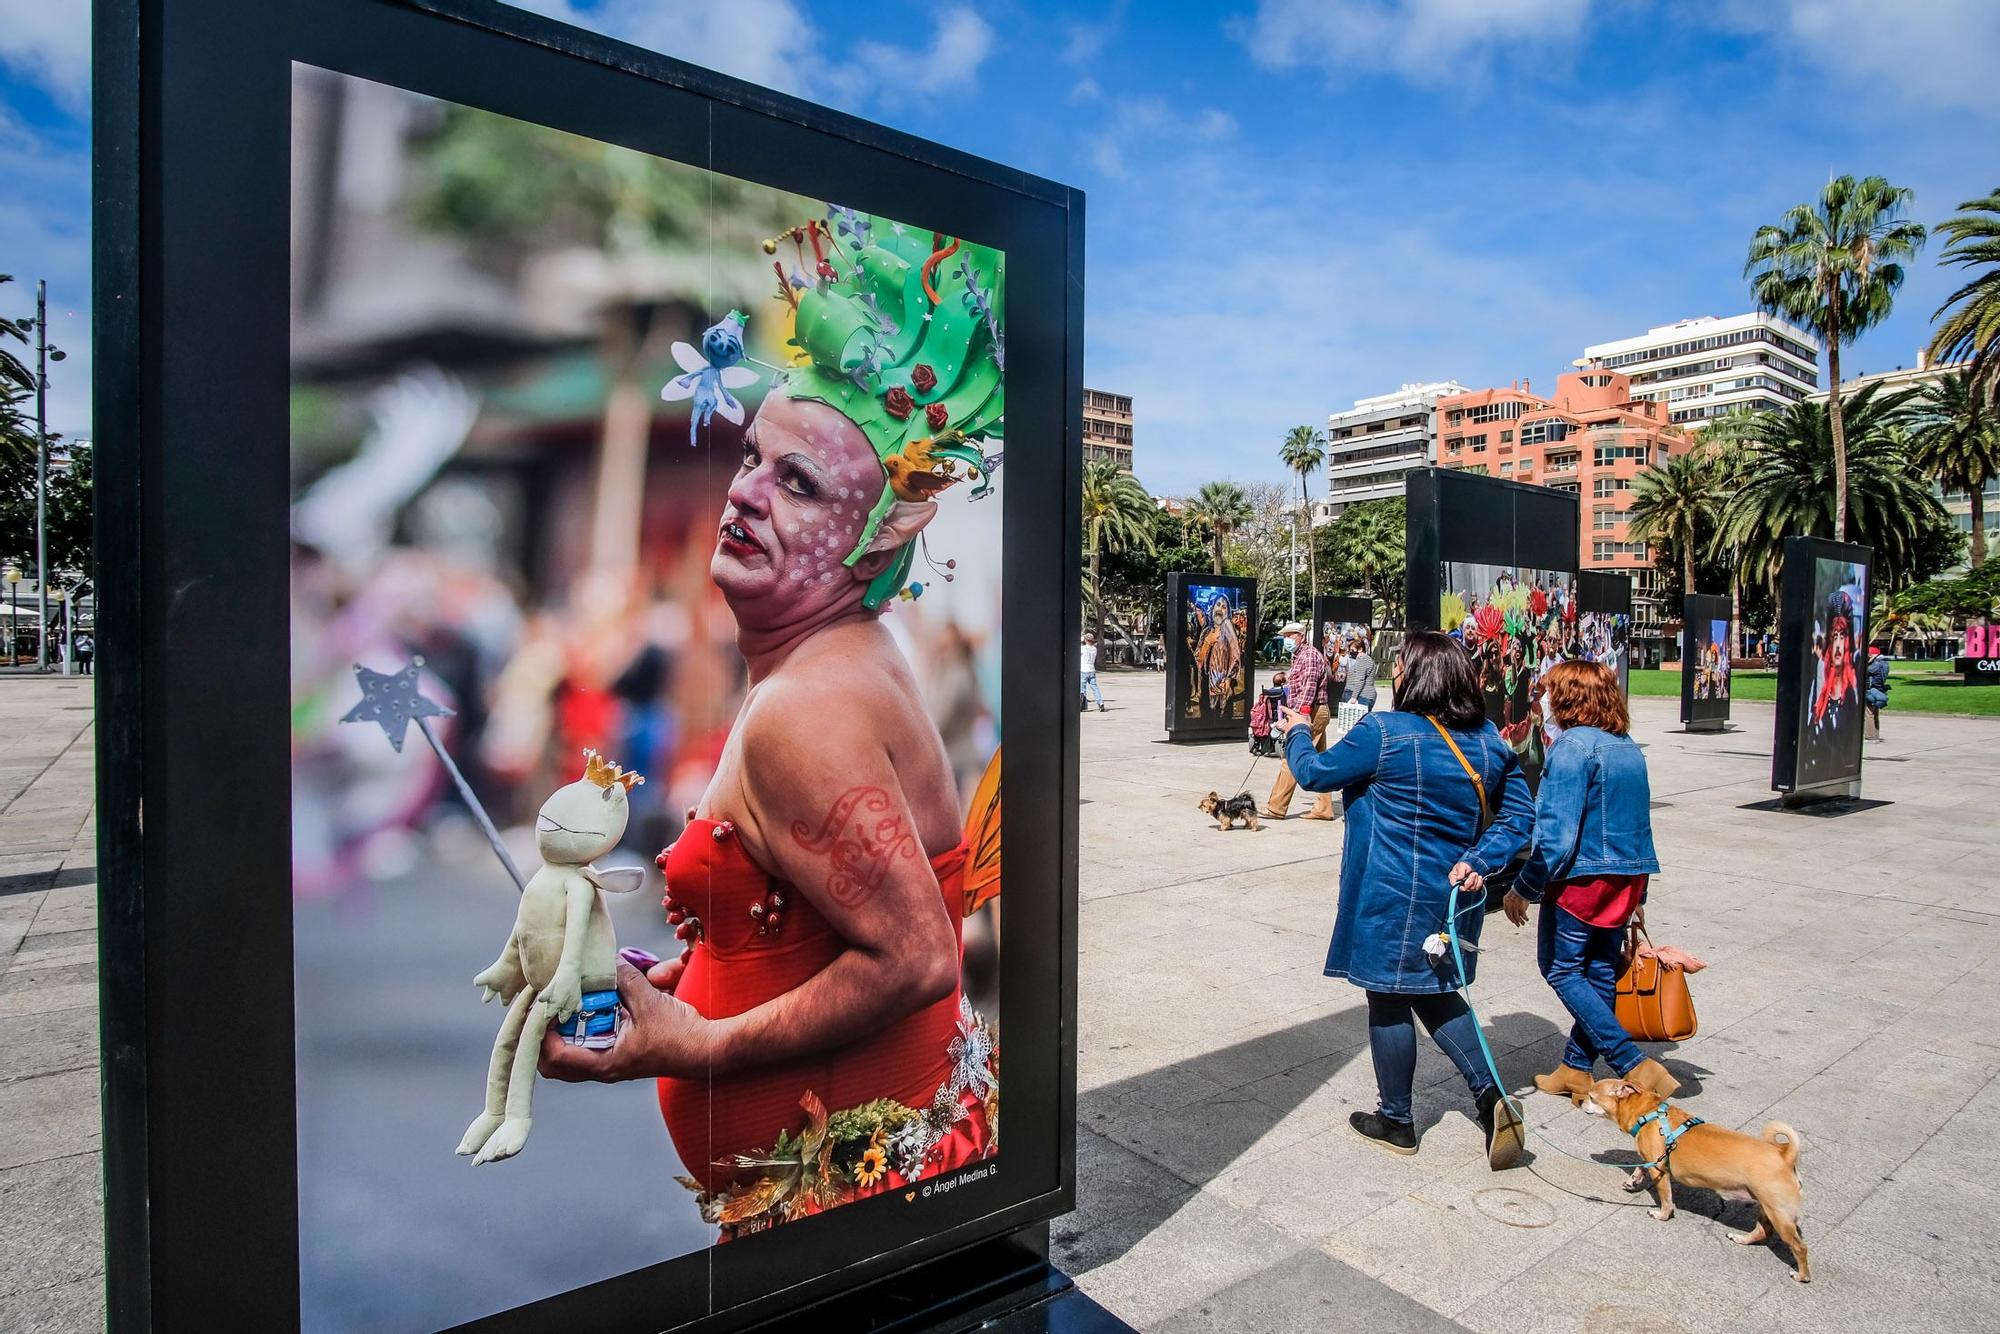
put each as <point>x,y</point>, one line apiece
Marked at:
<point>1415,827</point>
<point>1588,868</point>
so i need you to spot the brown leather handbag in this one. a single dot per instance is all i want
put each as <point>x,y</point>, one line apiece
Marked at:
<point>1654,1004</point>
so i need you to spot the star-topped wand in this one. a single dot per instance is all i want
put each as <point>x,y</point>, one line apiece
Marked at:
<point>392,700</point>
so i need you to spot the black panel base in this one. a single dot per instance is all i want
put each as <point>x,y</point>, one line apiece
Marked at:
<point>1005,1284</point>
<point>1822,807</point>
<point>1708,727</point>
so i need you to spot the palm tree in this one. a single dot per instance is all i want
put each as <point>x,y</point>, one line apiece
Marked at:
<point>1304,449</point>
<point>1117,515</point>
<point>1718,438</point>
<point>1674,505</point>
<point>1785,484</point>
<point>1369,539</point>
<point>1220,507</point>
<point>1832,265</point>
<point>1971,333</point>
<point>1957,444</point>
<point>17,385</point>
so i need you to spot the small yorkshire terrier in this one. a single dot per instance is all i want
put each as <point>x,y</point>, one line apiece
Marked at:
<point>1227,811</point>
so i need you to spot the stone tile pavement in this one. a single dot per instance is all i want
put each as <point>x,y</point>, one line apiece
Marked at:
<point>51,1230</point>
<point>1850,994</point>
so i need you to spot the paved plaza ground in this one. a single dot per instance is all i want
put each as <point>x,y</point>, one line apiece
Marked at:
<point>1851,993</point>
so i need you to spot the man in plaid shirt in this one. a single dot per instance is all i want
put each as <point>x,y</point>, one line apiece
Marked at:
<point>1305,690</point>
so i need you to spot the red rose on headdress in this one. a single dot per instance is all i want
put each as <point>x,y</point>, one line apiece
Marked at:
<point>899,403</point>
<point>923,377</point>
<point>936,415</point>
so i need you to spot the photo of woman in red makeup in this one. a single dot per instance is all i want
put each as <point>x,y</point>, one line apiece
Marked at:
<point>812,1044</point>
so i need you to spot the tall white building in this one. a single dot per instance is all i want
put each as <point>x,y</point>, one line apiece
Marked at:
<point>1706,367</point>
<point>1370,446</point>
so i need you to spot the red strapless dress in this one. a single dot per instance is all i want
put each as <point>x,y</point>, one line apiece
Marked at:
<point>733,969</point>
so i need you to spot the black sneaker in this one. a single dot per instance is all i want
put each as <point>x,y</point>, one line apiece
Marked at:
<point>1395,1136</point>
<point>1504,1135</point>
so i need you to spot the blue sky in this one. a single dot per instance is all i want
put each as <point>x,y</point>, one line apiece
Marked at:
<point>1293,203</point>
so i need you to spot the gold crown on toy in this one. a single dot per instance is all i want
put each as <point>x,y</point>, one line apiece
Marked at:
<point>604,773</point>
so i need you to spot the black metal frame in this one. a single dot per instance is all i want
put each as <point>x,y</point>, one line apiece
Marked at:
<point>1180,664</point>
<point>191,110</point>
<point>1701,715</point>
<point>1795,620</point>
<point>1467,517</point>
<point>1335,607</point>
<point>1609,591</point>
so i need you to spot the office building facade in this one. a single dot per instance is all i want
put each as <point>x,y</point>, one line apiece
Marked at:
<point>1371,445</point>
<point>1590,438</point>
<point>1107,427</point>
<point>1704,368</point>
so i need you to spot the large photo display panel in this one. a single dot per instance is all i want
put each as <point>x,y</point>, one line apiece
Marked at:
<point>1604,622</point>
<point>1705,659</point>
<point>1339,620</point>
<point>1211,622</point>
<point>1493,564</point>
<point>1822,665</point>
<point>780,467</point>
<point>591,419</point>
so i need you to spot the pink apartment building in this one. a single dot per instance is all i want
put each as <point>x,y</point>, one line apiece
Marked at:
<point>1590,438</point>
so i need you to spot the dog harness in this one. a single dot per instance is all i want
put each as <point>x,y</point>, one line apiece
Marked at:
<point>1670,1131</point>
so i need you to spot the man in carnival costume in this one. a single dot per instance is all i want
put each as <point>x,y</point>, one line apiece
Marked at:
<point>811,1043</point>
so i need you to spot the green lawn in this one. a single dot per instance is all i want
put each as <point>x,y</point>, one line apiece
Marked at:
<point>1918,688</point>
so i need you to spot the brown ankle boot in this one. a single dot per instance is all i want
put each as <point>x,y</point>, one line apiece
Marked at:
<point>1651,1076</point>
<point>1566,1081</point>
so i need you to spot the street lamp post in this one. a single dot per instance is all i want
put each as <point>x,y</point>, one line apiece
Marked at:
<point>14,614</point>
<point>44,354</point>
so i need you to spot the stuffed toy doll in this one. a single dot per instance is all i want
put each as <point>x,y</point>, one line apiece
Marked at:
<point>560,965</point>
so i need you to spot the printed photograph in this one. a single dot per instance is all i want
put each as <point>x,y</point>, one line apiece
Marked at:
<point>1603,636</point>
<point>1711,664</point>
<point>1516,623</point>
<point>1830,732</point>
<point>646,686</point>
<point>1215,635</point>
<point>1343,636</point>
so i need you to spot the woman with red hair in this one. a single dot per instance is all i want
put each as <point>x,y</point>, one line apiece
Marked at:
<point>1588,867</point>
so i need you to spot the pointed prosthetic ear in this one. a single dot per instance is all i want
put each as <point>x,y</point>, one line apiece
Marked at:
<point>900,526</point>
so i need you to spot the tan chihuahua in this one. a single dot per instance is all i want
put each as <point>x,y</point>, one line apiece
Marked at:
<point>1727,1161</point>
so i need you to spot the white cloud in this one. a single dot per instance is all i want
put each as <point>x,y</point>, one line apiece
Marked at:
<point>891,74</point>
<point>1939,55</point>
<point>48,43</point>
<point>775,43</point>
<point>1083,42</point>
<point>768,42</point>
<point>1144,122</point>
<point>1425,41</point>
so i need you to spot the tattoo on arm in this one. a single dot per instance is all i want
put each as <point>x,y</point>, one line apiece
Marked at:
<point>862,833</point>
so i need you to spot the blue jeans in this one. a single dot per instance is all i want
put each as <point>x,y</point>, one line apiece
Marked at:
<point>1088,686</point>
<point>1580,962</point>
<point>1392,1042</point>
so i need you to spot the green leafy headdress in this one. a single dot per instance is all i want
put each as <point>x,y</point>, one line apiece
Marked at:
<point>902,332</point>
